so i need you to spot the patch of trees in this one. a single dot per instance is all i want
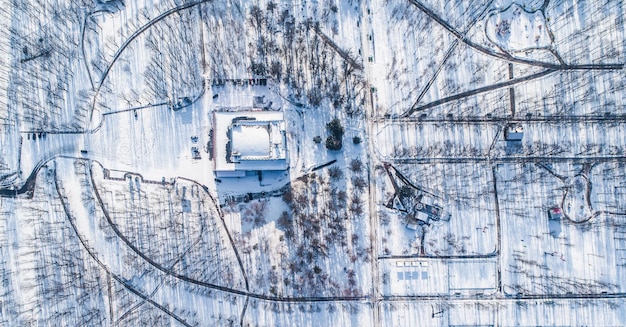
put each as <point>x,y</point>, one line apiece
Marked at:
<point>168,74</point>
<point>334,140</point>
<point>319,225</point>
<point>41,65</point>
<point>293,51</point>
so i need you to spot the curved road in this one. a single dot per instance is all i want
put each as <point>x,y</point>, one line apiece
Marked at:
<point>131,38</point>
<point>506,57</point>
<point>463,38</point>
<point>29,187</point>
<point>29,184</point>
<point>102,265</point>
<point>206,284</point>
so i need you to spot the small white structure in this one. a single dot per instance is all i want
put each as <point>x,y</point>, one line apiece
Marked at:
<point>248,141</point>
<point>514,132</point>
<point>555,213</point>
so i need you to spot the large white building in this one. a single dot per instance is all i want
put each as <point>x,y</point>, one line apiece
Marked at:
<point>248,141</point>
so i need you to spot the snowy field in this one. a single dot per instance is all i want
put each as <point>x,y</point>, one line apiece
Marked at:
<point>537,312</point>
<point>482,141</point>
<point>428,277</point>
<point>468,226</point>
<point>449,163</point>
<point>582,252</point>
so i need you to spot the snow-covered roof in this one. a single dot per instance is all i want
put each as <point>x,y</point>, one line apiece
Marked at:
<point>249,141</point>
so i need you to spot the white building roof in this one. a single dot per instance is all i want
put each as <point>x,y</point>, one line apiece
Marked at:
<point>249,141</point>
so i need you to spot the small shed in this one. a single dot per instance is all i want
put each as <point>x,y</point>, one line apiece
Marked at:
<point>555,213</point>
<point>514,132</point>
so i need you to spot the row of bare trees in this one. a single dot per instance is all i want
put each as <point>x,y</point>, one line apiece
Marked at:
<point>290,50</point>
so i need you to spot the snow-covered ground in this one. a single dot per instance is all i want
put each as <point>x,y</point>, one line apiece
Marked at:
<point>468,224</point>
<point>111,214</point>
<point>438,277</point>
<point>515,29</point>
<point>266,314</point>
<point>448,140</point>
<point>579,253</point>
<point>509,312</point>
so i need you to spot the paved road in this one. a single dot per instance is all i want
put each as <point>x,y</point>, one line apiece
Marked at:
<point>449,53</point>
<point>374,297</point>
<point>479,90</point>
<point>528,119</point>
<point>367,51</point>
<point>132,37</point>
<point>104,267</point>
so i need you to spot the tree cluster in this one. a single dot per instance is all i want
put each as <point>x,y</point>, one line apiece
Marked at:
<point>334,140</point>
<point>319,226</point>
<point>298,53</point>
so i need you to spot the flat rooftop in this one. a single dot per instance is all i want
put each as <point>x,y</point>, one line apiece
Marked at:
<point>257,140</point>
<point>249,141</point>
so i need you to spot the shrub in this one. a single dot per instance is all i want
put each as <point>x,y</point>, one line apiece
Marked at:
<point>335,172</point>
<point>333,143</point>
<point>335,128</point>
<point>288,197</point>
<point>359,183</point>
<point>356,165</point>
<point>284,222</point>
